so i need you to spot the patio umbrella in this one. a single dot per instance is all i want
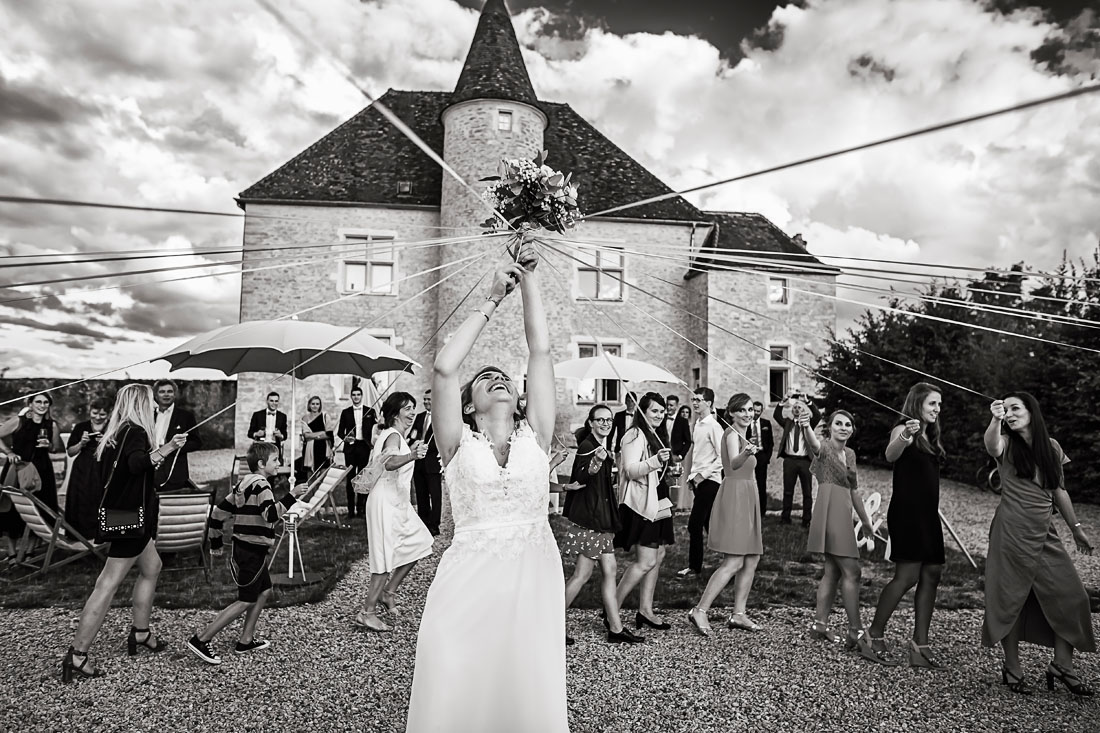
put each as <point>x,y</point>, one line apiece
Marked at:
<point>299,349</point>
<point>607,366</point>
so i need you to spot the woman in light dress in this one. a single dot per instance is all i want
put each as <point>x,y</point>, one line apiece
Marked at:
<point>735,529</point>
<point>396,537</point>
<point>1032,590</point>
<point>490,656</point>
<point>831,530</point>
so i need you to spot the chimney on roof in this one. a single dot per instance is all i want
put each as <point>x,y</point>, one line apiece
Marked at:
<point>494,67</point>
<point>797,239</point>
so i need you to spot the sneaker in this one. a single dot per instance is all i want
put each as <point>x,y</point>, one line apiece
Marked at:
<point>201,649</point>
<point>686,572</point>
<point>253,646</point>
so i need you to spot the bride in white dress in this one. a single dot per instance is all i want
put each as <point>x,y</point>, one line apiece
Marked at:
<point>490,656</point>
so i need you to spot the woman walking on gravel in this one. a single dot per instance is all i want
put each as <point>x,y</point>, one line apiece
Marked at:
<point>490,655</point>
<point>1032,590</point>
<point>127,462</point>
<point>916,537</point>
<point>646,507</point>
<point>735,526</point>
<point>834,467</point>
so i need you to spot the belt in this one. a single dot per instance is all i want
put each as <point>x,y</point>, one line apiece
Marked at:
<point>498,525</point>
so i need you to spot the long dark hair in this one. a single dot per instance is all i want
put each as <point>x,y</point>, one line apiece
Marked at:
<point>928,440</point>
<point>466,397</point>
<point>584,432</point>
<point>655,438</point>
<point>1040,454</point>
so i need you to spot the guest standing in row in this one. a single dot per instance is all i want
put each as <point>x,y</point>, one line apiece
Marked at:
<point>427,473</point>
<point>85,490</point>
<point>623,420</point>
<point>795,455</point>
<point>760,433</point>
<point>396,537</point>
<point>831,534</point>
<point>593,515</point>
<point>646,510</point>
<point>269,424</point>
<point>1032,590</point>
<point>680,443</point>
<point>355,429</point>
<point>916,537</point>
<point>172,420</point>
<point>316,441</point>
<point>32,437</point>
<point>735,526</point>
<point>127,462</point>
<point>705,476</point>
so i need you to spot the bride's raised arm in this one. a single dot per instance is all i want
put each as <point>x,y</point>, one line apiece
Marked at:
<point>540,369</point>
<point>446,387</point>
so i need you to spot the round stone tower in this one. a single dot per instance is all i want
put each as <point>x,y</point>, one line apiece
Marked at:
<point>493,115</point>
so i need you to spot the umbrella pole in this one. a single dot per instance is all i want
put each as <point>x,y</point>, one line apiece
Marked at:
<point>292,428</point>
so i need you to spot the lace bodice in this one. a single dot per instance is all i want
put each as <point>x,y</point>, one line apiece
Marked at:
<point>499,508</point>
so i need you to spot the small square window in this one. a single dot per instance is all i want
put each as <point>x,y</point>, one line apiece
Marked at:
<point>777,291</point>
<point>597,390</point>
<point>600,274</point>
<point>504,120</point>
<point>355,277</point>
<point>372,269</point>
<point>404,188</point>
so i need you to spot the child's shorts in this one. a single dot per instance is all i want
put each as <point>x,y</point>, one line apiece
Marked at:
<point>250,571</point>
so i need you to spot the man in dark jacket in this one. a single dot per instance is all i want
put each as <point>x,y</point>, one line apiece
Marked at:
<point>427,478</point>
<point>796,454</point>
<point>269,424</point>
<point>760,432</point>
<point>169,420</point>
<point>356,425</point>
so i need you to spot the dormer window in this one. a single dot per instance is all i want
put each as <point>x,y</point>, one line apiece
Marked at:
<point>404,188</point>
<point>504,120</point>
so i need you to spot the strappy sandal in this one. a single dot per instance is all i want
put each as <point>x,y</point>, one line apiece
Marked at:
<point>919,656</point>
<point>821,630</point>
<point>1072,682</point>
<point>861,643</point>
<point>743,622</point>
<point>1014,682</point>
<point>69,667</point>
<point>132,642</point>
<point>702,627</point>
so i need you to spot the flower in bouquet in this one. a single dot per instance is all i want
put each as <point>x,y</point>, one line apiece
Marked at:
<point>529,194</point>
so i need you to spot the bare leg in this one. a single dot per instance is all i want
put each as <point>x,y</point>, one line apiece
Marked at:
<point>850,575</point>
<point>649,587</point>
<point>582,571</point>
<point>1063,653</point>
<point>719,579</point>
<point>924,601</point>
<point>826,590</point>
<point>609,569</point>
<point>368,616</point>
<point>742,584</point>
<point>906,575</point>
<point>225,617</point>
<point>1011,646</point>
<point>95,608</point>
<point>248,628</point>
<point>396,578</point>
<point>145,587</point>
<point>646,560</point>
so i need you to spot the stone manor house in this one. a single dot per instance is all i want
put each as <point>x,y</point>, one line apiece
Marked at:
<point>364,189</point>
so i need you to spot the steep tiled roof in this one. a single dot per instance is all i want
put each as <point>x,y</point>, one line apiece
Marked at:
<point>758,238</point>
<point>363,160</point>
<point>494,67</point>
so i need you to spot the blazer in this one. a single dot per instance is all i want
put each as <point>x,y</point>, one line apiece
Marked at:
<point>259,422</point>
<point>767,441</point>
<point>347,423</point>
<point>788,423</point>
<point>639,474</point>
<point>429,464</point>
<point>619,426</point>
<point>183,421</point>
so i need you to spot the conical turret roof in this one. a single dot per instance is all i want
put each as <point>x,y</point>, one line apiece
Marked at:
<point>494,67</point>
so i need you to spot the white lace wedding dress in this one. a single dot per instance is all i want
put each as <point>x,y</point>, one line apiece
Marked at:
<point>490,655</point>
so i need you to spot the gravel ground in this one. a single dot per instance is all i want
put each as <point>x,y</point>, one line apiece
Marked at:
<point>319,672</point>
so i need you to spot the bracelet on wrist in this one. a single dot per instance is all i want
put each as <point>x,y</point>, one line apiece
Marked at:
<point>1078,524</point>
<point>905,438</point>
<point>494,301</point>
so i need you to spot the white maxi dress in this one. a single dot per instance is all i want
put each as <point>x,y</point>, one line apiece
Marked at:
<point>395,534</point>
<point>490,655</point>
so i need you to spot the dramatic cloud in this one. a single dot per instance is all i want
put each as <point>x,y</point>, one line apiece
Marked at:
<point>186,104</point>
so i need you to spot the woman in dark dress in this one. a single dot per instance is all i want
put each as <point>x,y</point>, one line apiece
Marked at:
<point>316,441</point>
<point>646,508</point>
<point>1032,590</point>
<point>85,490</point>
<point>127,461</point>
<point>916,537</point>
<point>33,437</point>
<point>593,515</point>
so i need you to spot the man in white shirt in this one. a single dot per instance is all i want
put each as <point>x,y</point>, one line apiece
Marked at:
<point>170,420</point>
<point>356,424</point>
<point>672,406</point>
<point>706,475</point>
<point>269,424</point>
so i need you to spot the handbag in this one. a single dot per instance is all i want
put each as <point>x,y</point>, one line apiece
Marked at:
<point>119,524</point>
<point>368,477</point>
<point>664,509</point>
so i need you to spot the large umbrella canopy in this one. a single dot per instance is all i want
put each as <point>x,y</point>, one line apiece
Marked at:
<point>607,366</point>
<point>298,348</point>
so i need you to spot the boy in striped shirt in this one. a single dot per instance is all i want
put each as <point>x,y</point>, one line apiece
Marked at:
<point>255,513</point>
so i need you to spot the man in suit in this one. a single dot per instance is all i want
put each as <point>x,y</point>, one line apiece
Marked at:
<point>356,424</point>
<point>269,424</point>
<point>427,478</point>
<point>796,454</point>
<point>170,420</point>
<point>622,422</point>
<point>760,432</point>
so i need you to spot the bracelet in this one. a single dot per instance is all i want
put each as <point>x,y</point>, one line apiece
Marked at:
<point>1077,525</point>
<point>904,439</point>
<point>494,301</point>
<point>484,314</point>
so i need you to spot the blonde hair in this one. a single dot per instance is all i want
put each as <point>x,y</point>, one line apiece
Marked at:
<point>133,406</point>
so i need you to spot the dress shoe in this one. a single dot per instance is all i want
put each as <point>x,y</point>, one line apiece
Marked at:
<point>569,640</point>
<point>640,621</point>
<point>626,636</point>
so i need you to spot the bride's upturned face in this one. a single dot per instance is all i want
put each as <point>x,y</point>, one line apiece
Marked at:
<point>492,387</point>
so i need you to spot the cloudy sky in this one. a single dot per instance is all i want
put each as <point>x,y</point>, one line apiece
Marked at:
<point>185,104</point>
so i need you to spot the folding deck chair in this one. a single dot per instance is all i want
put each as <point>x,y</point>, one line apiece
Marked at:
<point>181,526</point>
<point>51,528</point>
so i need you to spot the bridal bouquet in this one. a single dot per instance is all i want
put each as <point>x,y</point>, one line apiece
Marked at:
<point>531,195</point>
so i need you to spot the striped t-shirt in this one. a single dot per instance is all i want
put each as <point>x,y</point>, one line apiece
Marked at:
<point>254,510</point>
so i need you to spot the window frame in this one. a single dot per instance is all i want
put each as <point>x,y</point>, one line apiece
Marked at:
<point>779,367</point>
<point>510,116</point>
<point>600,386</point>
<point>366,259</point>
<point>785,302</point>
<point>599,271</point>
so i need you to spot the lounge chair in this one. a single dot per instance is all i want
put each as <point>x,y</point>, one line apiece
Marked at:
<point>50,527</point>
<point>181,526</point>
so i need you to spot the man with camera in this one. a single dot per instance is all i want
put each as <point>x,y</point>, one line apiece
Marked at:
<point>795,453</point>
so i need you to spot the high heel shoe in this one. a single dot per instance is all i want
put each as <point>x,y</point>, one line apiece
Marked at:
<point>132,642</point>
<point>861,643</point>
<point>640,621</point>
<point>1072,682</point>
<point>819,630</point>
<point>702,627</point>
<point>69,667</point>
<point>919,656</point>
<point>1014,682</point>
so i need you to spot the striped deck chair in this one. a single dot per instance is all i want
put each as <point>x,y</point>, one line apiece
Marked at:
<point>51,528</point>
<point>181,526</point>
<point>319,495</point>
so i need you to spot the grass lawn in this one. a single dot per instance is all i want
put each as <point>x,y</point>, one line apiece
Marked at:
<point>325,549</point>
